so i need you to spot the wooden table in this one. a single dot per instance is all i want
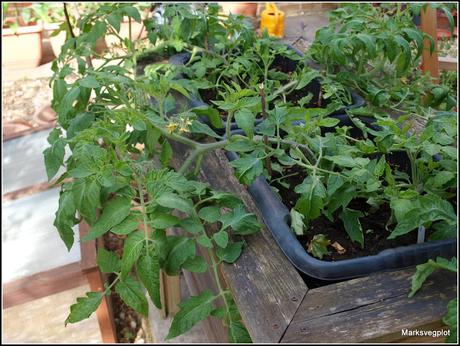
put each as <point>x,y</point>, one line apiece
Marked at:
<point>277,306</point>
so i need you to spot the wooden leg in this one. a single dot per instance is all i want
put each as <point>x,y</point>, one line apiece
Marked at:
<point>104,312</point>
<point>430,62</point>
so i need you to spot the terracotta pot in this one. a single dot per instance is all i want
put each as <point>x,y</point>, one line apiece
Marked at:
<point>23,48</point>
<point>245,8</point>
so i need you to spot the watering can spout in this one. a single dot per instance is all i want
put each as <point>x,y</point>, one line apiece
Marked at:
<point>272,19</point>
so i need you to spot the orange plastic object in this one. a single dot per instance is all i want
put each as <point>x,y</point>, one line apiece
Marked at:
<point>272,19</point>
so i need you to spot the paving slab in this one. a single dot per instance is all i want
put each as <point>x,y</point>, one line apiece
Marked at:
<point>42,321</point>
<point>30,242</point>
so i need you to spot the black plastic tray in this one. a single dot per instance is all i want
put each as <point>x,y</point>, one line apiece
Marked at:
<point>289,65</point>
<point>277,219</point>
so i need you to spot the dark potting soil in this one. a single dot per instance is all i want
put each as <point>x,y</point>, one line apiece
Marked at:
<point>128,324</point>
<point>373,224</point>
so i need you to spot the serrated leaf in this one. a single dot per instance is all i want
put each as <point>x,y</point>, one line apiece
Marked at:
<point>131,293</point>
<point>352,225</point>
<point>245,120</point>
<point>221,238</point>
<point>195,264</point>
<point>238,333</point>
<point>163,221</point>
<point>180,249</point>
<point>132,249</point>
<point>231,253</point>
<point>166,153</point>
<point>426,269</point>
<point>173,201</point>
<point>297,222</point>
<point>210,214</point>
<point>204,241</point>
<point>192,311</point>
<point>240,221</point>
<point>148,270</point>
<point>65,218</point>
<point>89,82</point>
<point>318,246</point>
<point>114,212</point>
<point>450,319</point>
<point>54,157</point>
<point>128,225</point>
<point>84,307</point>
<point>107,261</point>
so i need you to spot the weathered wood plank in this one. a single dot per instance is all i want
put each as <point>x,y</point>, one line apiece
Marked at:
<point>266,287</point>
<point>374,308</point>
<point>448,63</point>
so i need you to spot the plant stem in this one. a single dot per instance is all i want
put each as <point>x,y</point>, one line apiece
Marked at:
<point>268,163</point>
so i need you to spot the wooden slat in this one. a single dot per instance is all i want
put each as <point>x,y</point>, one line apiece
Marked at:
<point>448,64</point>
<point>42,284</point>
<point>374,308</point>
<point>87,249</point>
<point>215,331</point>
<point>266,287</point>
<point>429,25</point>
<point>104,311</point>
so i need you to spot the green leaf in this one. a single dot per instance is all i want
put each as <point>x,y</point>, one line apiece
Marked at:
<point>312,197</point>
<point>65,218</point>
<point>132,250</point>
<point>432,208</point>
<point>210,214</point>
<point>192,311</point>
<point>426,269</point>
<point>221,238</point>
<point>240,221</point>
<point>84,307</point>
<point>231,253</point>
<point>66,104</point>
<point>318,246</point>
<point>192,225</point>
<point>195,264</point>
<point>166,153</point>
<point>107,261</point>
<point>89,82</point>
<point>132,12</point>
<point>163,221</point>
<point>54,157</point>
<point>450,319</point>
<point>352,225</point>
<point>114,20</point>
<point>114,212</point>
<point>131,293</point>
<point>128,225</point>
<point>247,169</point>
<point>148,270</point>
<point>139,125</point>
<point>179,250</point>
<point>297,222</point>
<point>245,120</point>
<point>204,241</point>
<point>237,333</point>
<point>173,201</point>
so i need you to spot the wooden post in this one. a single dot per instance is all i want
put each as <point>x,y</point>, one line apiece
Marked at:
<point>430,62</point>
<point>89,267</point>
<point>104,312</point>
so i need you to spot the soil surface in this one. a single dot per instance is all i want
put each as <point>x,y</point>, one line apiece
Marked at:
<point>127,321</point>
<point>373,224</point>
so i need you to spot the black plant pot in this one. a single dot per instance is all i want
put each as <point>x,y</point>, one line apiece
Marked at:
<point>288,65</point>
<point>277,219</point>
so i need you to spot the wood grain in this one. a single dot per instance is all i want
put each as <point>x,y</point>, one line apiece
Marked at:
<point>266,287</point>
<point>374,308</point>
<point>42,284</point>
